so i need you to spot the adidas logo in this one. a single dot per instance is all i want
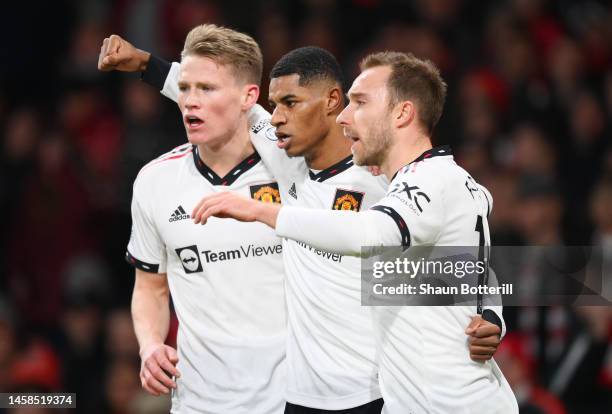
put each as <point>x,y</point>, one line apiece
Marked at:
<point>293,191</point>
<point>179,214</point>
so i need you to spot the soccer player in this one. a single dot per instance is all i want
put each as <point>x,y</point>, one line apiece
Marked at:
<point>226,280</point>
<point>331,350</point>
<point>394,106</point>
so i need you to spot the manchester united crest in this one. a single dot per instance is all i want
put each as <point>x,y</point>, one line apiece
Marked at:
<point>347,200</point>
<point>267,193</point>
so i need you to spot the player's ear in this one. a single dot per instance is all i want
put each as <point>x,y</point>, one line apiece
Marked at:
<point>249,96</point>
<point>404,113</point>
<point>335,100</point>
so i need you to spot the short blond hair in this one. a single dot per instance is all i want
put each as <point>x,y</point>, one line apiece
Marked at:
<point>415,79</point>
<point>227,47</point>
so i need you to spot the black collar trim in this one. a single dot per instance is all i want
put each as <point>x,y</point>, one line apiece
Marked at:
<point>430,153</point>
<point>244,165</point>
<point>335,169</point>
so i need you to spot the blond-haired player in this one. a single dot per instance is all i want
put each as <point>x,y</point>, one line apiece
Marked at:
<point>226,280</point>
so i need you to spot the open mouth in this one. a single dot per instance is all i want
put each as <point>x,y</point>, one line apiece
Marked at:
<point>282,140</point>
<point>193,122</point>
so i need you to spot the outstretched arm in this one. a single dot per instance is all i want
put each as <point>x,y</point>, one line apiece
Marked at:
<point>343,232</point>
<point>117,53</point>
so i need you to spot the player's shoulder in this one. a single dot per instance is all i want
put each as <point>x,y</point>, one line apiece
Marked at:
<point>168,160</point>
<point>441,176</point>
<point>455,179</point>
<point>435,167</point>
<point>156,170</point>
<point>432,174</point>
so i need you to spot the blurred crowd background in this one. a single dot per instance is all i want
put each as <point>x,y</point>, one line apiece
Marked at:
<point>529,114</point>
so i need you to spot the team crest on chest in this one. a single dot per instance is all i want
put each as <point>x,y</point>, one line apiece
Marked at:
<point>347,200</point>
<point>268,193</point>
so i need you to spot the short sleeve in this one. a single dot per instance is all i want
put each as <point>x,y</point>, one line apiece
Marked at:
<point>145,250</point>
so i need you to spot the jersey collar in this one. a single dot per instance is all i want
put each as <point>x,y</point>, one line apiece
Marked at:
<point>439,151</point>
<point>244,165</point>
<point>335,169</point>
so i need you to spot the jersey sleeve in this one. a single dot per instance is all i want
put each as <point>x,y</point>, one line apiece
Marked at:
<point>163,76</point>
<point>337,231</point>
<point>416,206</point>
<point>170,89</point>
<point>409,212</point>
<point>492,305</point>
<point>156,72</point>
<point>145,250</point>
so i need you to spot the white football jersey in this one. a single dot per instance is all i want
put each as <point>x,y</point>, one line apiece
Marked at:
<point>425,365</point>
<point>331,346</point>
<point>226,280</point>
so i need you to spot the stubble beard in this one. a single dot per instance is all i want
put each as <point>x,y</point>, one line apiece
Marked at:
<point>377,147</point>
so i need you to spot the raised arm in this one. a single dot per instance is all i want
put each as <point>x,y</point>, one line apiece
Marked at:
<point>118,54</point>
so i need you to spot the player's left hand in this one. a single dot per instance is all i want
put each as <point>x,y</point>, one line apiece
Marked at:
<point>230,205</point>
<point>483,338</point>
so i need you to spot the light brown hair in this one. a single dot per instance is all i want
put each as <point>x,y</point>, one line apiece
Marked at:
<point>227,47</point>
<point>412,79</point>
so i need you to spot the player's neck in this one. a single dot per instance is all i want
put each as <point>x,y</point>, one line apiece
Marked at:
<point>403,152</point>
<point>333,148</point>
<point>223,156</point>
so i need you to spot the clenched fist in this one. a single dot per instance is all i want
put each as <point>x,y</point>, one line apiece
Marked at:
<point>119,54</point>
<point>484,338</point>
